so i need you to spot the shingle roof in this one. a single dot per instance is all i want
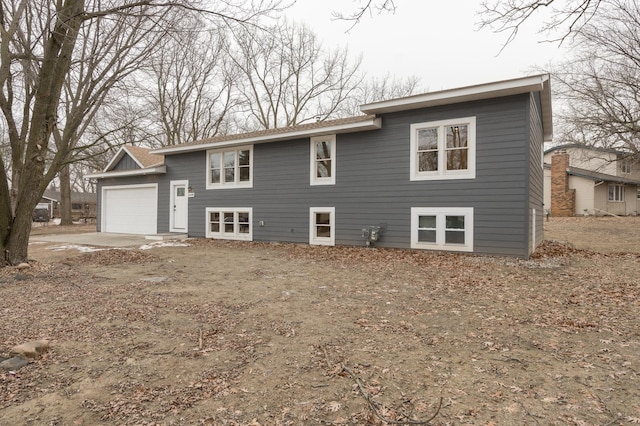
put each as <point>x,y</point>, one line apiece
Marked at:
<point>281,130</point>
<point>582,146</point>
<point>575,171</point>
<point>144,156</point>
<point>340,125</point>
<point>76,197</point>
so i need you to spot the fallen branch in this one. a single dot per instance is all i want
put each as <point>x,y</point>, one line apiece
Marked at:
<point>163,353</point>
<point>374,409</point>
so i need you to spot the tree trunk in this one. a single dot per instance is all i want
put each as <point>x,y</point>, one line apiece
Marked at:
<point>65,196</point>
<point>55,64</point>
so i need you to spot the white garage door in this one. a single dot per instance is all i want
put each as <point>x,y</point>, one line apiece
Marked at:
<point>130,209</point>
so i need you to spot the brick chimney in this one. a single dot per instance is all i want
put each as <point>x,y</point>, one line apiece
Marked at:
<point>563,199</point>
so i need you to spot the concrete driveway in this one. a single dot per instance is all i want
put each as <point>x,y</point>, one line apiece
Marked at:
<point>98,239</point>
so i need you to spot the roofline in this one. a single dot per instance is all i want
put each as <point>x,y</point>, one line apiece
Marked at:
<point>583,146</point>
<point>136,172</point>
<point>369,124</point>
<point>537,83</point>
<point>601,176</point>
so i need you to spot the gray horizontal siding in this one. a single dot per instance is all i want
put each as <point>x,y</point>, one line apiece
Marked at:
<point>126,163</point>
<point>372,182</point>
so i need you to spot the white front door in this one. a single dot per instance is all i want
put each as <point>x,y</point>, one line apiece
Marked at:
<point>179,206</point>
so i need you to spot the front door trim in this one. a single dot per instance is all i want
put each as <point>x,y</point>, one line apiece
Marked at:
<point>175,204</point>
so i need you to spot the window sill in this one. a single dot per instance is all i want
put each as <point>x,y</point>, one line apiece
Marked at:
<point>231,186</point>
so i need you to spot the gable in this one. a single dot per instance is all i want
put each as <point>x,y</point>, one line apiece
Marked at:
<point>126,163</point>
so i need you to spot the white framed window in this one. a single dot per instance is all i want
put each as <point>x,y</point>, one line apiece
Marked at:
<point>616,192</point>
<point>322,226</point>
<point>625,167</point>
<point>230,168</point>
<point>442,228</point>
<point>443,149</point>
<point>229,223</point>
<point>323,160</point>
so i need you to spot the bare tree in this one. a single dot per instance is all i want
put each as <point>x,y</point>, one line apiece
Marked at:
<point>288,78</point>
<point>366,7</point>
<point>192,95</point>
<point>599,87</point>
<point>373,89</point>
<point>566,17</point>
<point>39,44</point>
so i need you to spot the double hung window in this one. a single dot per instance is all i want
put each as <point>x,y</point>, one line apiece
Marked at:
<point>323,160</point>
<point>322,226</point>
<point>443,149</point>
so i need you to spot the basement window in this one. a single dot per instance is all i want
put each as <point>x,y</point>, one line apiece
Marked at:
<point>322,226</point>
<point>442,228</point>
<point>229,223</point>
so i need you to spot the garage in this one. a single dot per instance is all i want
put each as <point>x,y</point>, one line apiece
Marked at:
<point>130,209</point>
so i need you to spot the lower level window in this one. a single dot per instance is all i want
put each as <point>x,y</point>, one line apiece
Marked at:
<point>229,223</point>
<point>322,226</point>
<point>616,192</point>
<point>442,228</point>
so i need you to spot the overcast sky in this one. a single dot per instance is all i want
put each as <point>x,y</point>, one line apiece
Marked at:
<point>436,40</point>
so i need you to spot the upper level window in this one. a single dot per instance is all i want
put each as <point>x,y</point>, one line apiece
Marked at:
<point>625,167</point>
<point>443,149</point>
<point>230,168</point>
<point>323,160</point>
<point>616,192</point>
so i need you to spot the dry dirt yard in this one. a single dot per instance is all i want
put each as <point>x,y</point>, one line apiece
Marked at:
<point>228,333</point>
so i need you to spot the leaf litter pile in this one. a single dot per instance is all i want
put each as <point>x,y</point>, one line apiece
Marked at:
<point>230,333</point>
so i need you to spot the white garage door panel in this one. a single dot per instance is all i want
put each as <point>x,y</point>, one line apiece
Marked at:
<point>130,210</point>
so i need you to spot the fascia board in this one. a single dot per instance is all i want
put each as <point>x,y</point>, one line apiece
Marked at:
<point>124,173</point>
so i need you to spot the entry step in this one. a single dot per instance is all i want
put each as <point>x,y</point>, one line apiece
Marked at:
<point>166,236</point>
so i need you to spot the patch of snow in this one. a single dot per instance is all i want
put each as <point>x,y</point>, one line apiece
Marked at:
<point>33,243</point>
<point>82,249</point>
<point>168,243</point>
<point>56,220</point>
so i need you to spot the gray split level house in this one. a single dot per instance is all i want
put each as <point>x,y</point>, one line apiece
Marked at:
<point>452,170</point>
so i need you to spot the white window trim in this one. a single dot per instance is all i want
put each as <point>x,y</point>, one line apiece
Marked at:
<point>442,173</point>
<point>237,184</point>
<point>622,192</point>
<point>625,167</point>
<point>322,241</point>
<point>313,179</point>
<point>441,213</point>
<point>227,235</point>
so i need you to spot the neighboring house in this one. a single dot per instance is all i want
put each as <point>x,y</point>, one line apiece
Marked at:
<point>581,180</point>
<point>454,170</point>
<point>83,204</point>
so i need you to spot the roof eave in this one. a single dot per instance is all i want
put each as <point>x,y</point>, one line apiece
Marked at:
<point>462,94</point>
<point>123,173</point>
<point>371,124</point>
<point>536,83</point>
